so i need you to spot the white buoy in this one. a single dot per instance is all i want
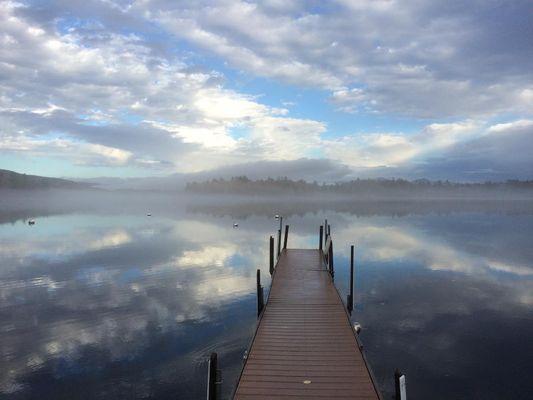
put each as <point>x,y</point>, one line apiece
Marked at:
<point>357,327</point>
<point>235,225</point>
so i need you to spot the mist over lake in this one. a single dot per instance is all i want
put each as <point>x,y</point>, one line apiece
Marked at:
<point>100,300</point>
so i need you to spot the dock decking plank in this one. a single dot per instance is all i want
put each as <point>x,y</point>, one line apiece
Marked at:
<point>304,345</point>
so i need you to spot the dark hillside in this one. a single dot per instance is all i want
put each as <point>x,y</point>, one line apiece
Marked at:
<point>14,180</point>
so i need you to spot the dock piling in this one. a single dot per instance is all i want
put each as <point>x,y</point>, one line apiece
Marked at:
<point>286,236</point>
<point>271,265</point>
<point>260,295</point>
<point>279,242</point>
<point>212,377</point>
<point>330,259</point>
<point>279,235</point>
<point>349,302</point>
<point>400,386</point>
<point>321,237</point>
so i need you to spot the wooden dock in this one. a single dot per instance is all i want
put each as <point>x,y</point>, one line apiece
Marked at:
<point>305,346</point>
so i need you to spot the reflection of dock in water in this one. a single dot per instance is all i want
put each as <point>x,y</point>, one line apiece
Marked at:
<point>305,345</point>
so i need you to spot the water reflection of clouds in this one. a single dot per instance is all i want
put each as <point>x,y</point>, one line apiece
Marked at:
<point>438,297</point>
<point>107,297</point>
<point>115,284</point>
<point>519,270</point>
<point>113,238</point>
<point>207,256</point>
<point>396,243</point>
<point>59,239</point>
<point>445,329</point>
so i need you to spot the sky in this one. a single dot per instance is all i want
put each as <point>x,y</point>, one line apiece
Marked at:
<point>335,90</point>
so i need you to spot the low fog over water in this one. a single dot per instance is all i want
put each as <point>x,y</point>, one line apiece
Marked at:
<point>100,300</point>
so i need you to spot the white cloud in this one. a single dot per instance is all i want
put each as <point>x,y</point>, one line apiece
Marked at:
<point>510,126</point>
<point>394,149</point>
<point>218,105</point>
<point>267,40</point>
<point>420,59</point>
<point>349,100</point>
<point>89,93</point>
<point>89,86</point>
<point>286,138</point>
<point>77,152</point>
<point>115,155</point>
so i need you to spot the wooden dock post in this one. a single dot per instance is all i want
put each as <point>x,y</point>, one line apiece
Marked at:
<point>271,265</point>
<point>286,236</point>
<point>260,296</point>
<point>212,377</point>
<point>400,386</point>
<point>279,242</point>
<point>349,302</point>
<point>321,237</point>
<point>279,235</point>
<point>330,258</point>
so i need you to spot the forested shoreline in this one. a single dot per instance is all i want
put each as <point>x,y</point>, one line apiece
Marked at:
<point>242,185</point>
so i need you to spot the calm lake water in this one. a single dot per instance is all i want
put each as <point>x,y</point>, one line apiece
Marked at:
<point>100,301</point>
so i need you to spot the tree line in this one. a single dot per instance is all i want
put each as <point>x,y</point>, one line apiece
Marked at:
<point>284,185</point>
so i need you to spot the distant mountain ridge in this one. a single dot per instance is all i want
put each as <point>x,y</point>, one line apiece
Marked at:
<point>14,180</point>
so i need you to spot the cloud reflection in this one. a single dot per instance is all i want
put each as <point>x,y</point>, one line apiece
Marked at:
<point>92,291</point>
<point>89,293</point>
